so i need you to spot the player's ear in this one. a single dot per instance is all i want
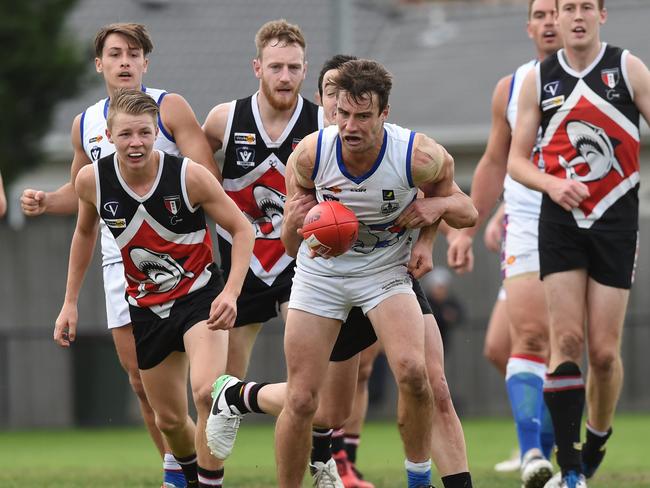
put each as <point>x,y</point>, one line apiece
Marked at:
<point>146,65</point>
<point>317,98</point>
<point>109,136</point>
<point>98,65</point>
<point>385,112</point>
<point>257,68</point>
<point>603,16</point>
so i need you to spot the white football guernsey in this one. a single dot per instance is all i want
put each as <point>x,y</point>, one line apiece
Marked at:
<point>377,198</point>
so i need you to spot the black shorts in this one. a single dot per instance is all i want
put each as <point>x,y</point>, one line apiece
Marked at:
<point>156,338</point>
<point>357,333</point>
<point>608,256</point>
<point>258,302</point>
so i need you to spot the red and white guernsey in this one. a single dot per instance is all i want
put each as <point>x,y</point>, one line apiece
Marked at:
<point>590,130</point>
<point>164,241</point>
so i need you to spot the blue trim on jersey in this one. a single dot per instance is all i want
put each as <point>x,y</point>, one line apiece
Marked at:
<point>317,162</point>
<point>409,151</point>
<point>512,87</point>
<point>81,128</point>
<point>108,100</point>
<point>369,173</point>
<point>160,124</point>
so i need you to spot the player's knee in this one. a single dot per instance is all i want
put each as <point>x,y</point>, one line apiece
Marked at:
<point>603,362</point>
<point>535,341</point>
<point>441,395</point>
<point>411,375</point>
<point>570,344</point>
<point>136,385</point>
<point>169,422</point>
<point>202,397</point>
<point>302,403</point>
<point>365,370</point>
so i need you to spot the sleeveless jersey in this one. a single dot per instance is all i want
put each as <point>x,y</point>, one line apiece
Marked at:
<point>519,200</point>
<point>164,242</point>
<point>591,134</point>
<point>253,176</point>
<point>377,198</point>
<point>96,145</point>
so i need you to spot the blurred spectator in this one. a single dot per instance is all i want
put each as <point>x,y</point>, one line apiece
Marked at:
<point>447,310</point>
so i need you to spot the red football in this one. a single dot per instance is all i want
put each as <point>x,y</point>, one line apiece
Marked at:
<point>330,228</point>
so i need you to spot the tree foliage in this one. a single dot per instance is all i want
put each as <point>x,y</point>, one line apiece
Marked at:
<point>40,65</point>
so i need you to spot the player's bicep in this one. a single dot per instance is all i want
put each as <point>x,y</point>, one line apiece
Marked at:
<point>639,77</point>
<point>302,163</point>
<point>86,189</point>
<point>496,151</point>
<point>214,126</point>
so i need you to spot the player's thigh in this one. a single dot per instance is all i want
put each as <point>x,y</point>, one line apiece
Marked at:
<point>166,386</point>
<point>399,325</point>
<point>207,352</point>
<point>606,308</point>
<point>497,335</point>
<point>241,341</point>
<point>337,395</point>
<point>308,340</point>
<point>125,348</point>
<point>367,359</point>
<point>527,311</point>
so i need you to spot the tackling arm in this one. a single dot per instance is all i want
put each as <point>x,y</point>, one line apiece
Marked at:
<point>300,193</point>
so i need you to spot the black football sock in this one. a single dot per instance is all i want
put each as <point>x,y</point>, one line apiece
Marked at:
<point>564,394</point>
<point>321,445</point>
<point>338,443</point>
<point>243,396</point>
<point>458,480</point>
<point>210,478</point>
<point>189,467</point>
<point>593,450</point>
<point>351,444</point>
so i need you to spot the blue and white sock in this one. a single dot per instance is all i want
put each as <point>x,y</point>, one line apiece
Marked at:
<point>418,474</point>
<point>173,473</point>
<point>525,384</point>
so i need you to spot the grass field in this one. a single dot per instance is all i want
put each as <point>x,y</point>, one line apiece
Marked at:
<point>125,457</point>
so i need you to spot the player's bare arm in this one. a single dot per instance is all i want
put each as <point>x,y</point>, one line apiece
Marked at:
<point>215,124</point>
<point>81,253</point>
<point>566,193</point>
<point>639,77</point>
<point>204,190</point>
<point>432,169</point>
<point>421,259</point>
<point>487,183</point>
<point>300,192</point>
<point>3,199</point>
<point>62,201</point>
<point>178,117</point>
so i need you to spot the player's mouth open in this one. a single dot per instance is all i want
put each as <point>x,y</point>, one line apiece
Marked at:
<point>548,35</point>
<point>579,30</point>
<point>124,74</point>
<point>136,155</point>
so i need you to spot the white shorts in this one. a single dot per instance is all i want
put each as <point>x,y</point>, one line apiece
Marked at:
<point>117,308</point>
<point>521,247</point>
<point>333,297</point>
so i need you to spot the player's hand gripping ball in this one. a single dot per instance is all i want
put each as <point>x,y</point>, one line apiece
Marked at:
<point>330,229</point>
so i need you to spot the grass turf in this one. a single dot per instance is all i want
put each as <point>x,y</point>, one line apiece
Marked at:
<point>125,457</point>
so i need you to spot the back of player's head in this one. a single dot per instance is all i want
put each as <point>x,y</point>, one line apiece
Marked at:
<point>360,78</point>
<point>132,102</point>
<point>136,34</point>
<point>278,32</point>
<point>332,63</point>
